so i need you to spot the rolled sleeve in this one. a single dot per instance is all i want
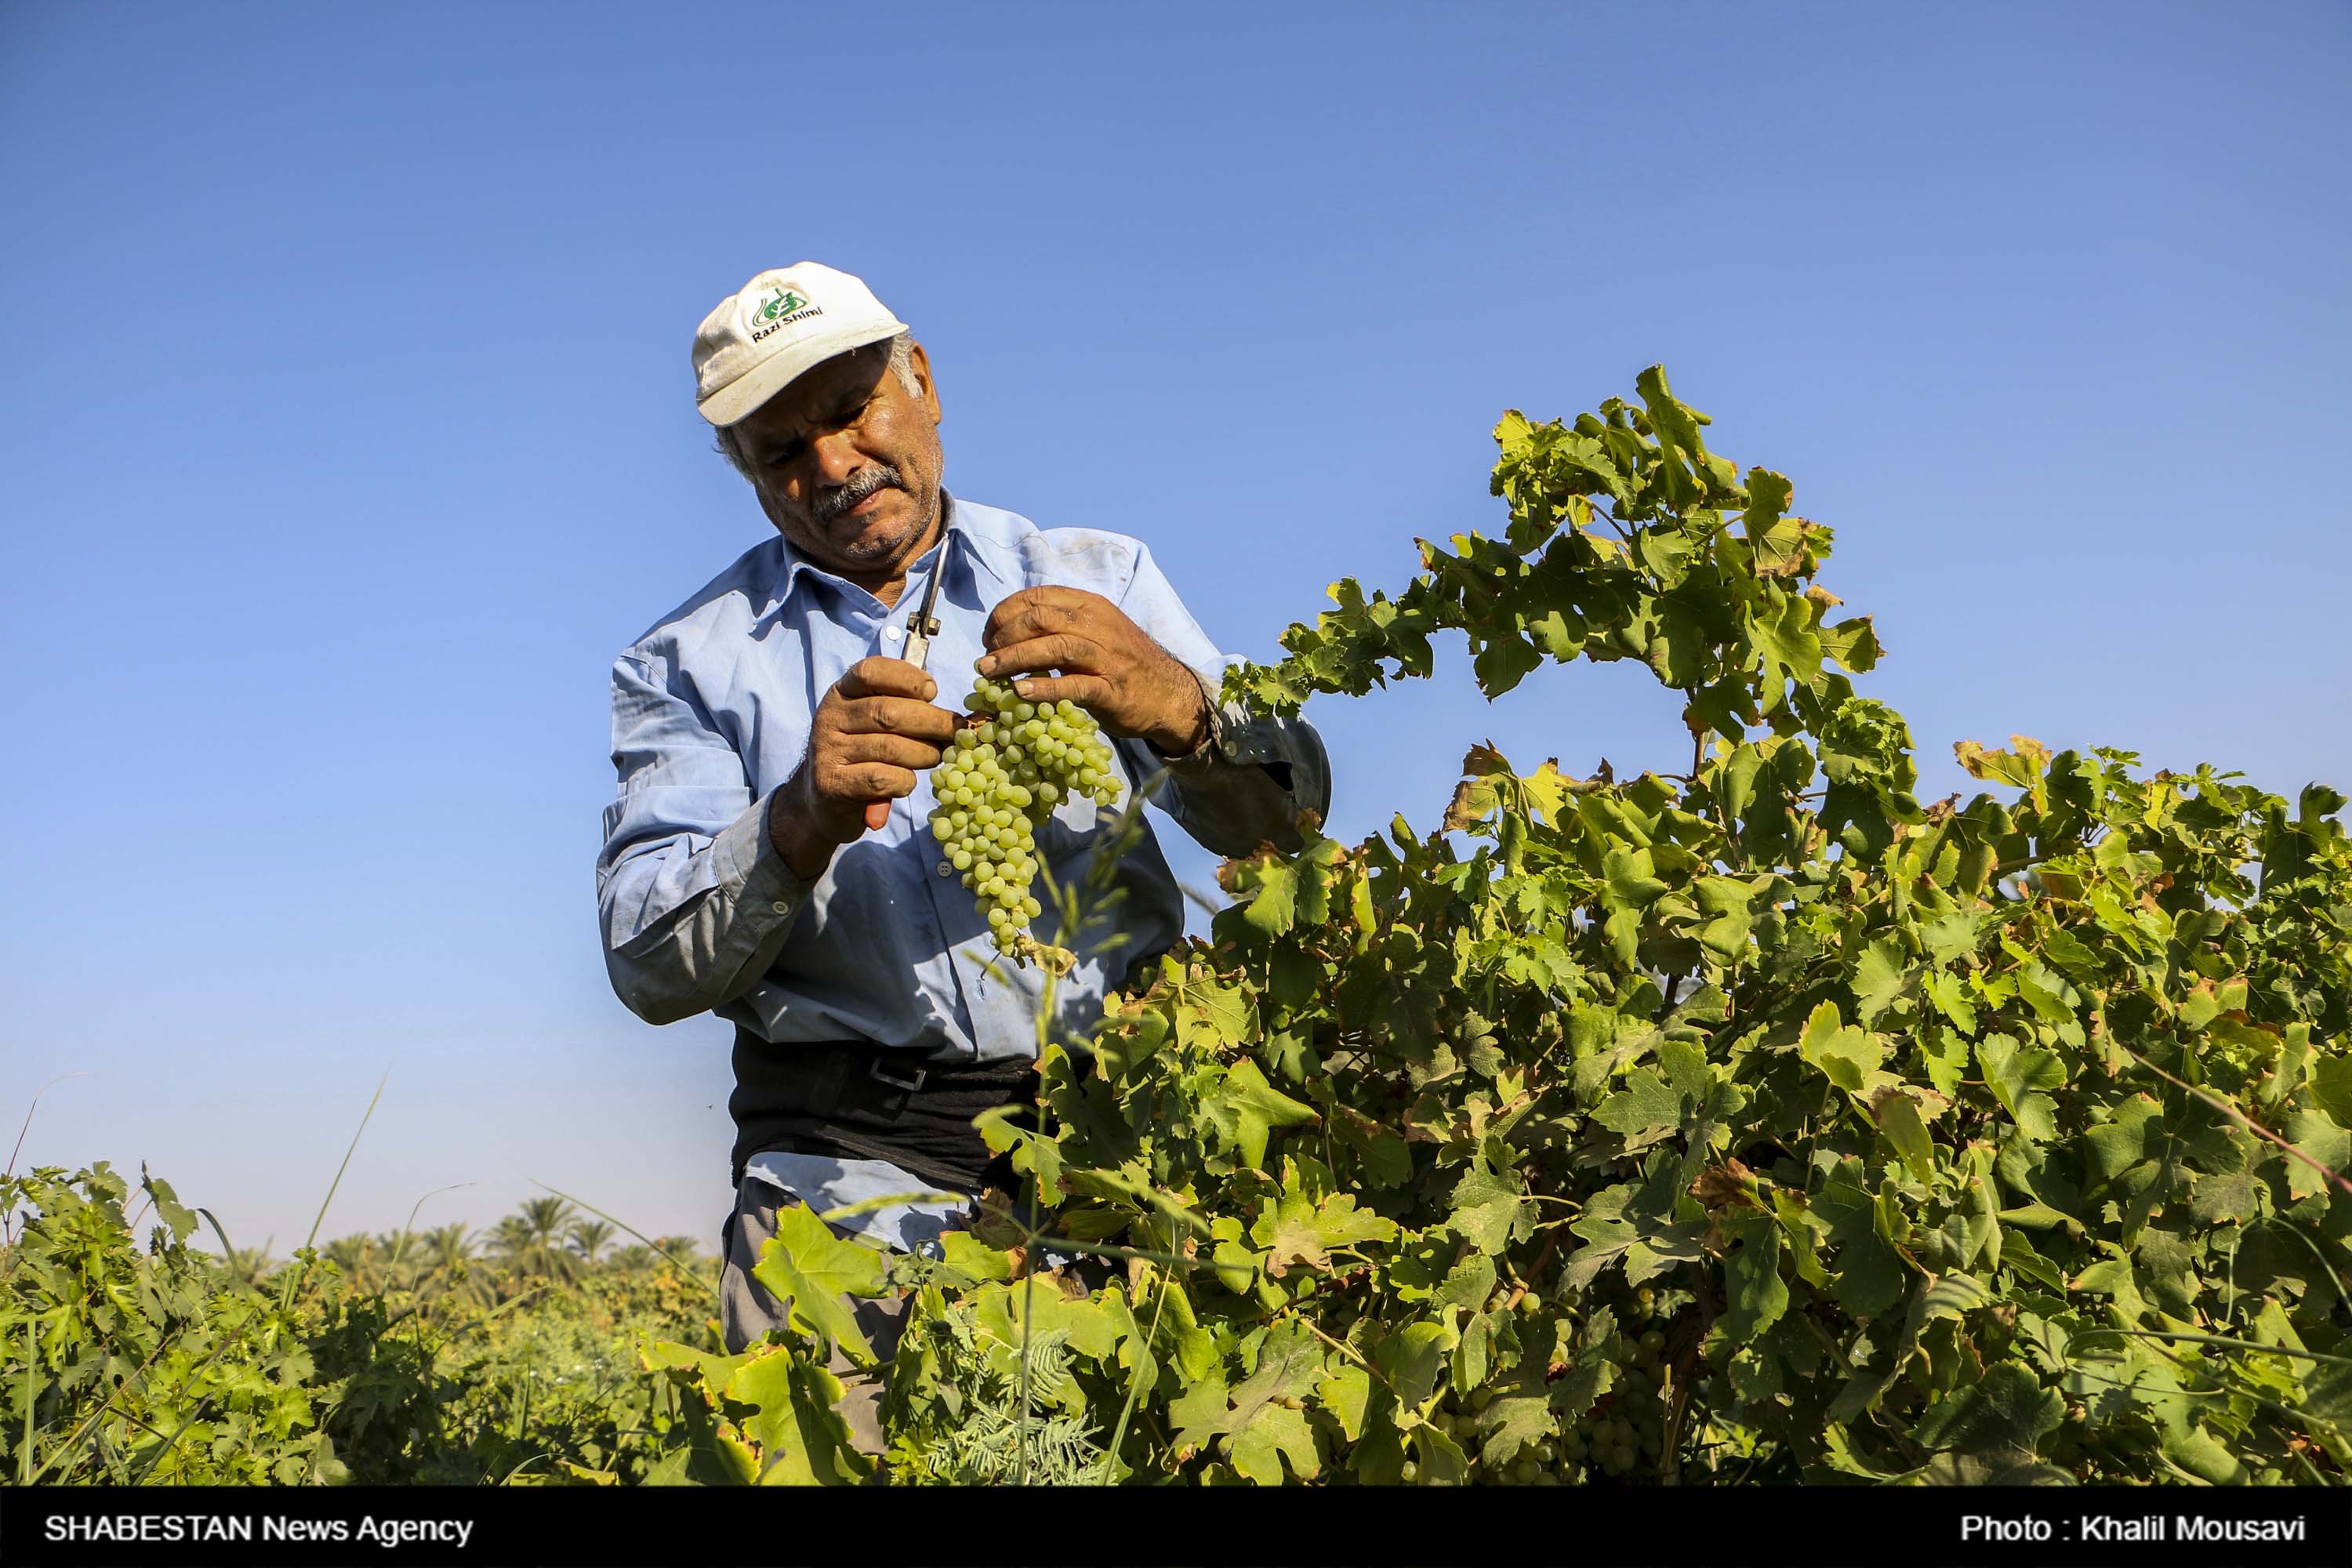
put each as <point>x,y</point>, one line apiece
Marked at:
<point>695,902</point>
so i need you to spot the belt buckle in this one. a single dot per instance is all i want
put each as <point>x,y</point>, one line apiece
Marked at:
<point>874,1070</point>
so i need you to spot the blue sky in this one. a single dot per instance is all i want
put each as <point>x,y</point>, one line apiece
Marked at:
<point>350,436</point>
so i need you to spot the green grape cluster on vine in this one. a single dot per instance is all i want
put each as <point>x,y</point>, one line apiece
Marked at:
<point>998,782</point>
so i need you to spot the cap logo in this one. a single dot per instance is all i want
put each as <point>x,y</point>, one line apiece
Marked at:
<point>779,309</point>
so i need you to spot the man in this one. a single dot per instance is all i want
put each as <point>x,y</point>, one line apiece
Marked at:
<point>754,726</point>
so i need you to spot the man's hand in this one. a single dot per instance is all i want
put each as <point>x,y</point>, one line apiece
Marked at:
<point>1109,665</point>
<point>869,735</point>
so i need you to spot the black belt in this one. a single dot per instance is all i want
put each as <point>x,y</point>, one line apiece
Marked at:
<point>852,1098</point>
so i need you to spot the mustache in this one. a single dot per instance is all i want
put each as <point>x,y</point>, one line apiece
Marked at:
<point>860,485</point>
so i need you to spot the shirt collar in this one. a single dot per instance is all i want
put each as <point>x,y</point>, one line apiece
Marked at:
<point>960,534</point>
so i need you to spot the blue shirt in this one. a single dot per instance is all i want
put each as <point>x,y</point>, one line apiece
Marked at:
<point>711,713</point>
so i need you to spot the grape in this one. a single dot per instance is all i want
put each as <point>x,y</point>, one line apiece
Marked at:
<point>1002,778</point>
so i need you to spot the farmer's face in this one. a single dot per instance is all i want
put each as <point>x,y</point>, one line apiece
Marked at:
<point>847,462</point>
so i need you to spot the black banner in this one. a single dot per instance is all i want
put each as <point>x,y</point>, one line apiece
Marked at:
<point>1229,1528</point>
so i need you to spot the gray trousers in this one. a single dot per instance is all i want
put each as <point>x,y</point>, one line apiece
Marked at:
<point>747,1309</point>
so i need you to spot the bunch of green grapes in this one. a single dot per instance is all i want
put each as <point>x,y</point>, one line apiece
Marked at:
<point>1626,1430</point>
<point>1003,777</point>
<point>1621,1438</point>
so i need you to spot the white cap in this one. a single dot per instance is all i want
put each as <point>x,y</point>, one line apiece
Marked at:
<point>786,320</point>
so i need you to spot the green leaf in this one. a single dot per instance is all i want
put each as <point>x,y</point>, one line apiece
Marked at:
<point>1950,936</point>
<point>1346,1391</point>
<point>1645,1104</point>
<point>1278,1433</point>
<point>2331,1087</point>
<point>1275,907</point>
<point>1413,1360</point>
<point>176,1216</point>
<point>2231,1195</point>
<point>1388,1160</point>
<point>2166,1272</point>
<point>2320,1137</point>
<point>1724,904</point>
<point>1870,1274</point>
<point>1898,1113</point>
<point>1488,1208</point>
<point>1209,1013</point>
<point>1201,1413</point>
<point>1950,996</point>
<point>1512,1424</point>
<point>1297,1230</point>
<point>1756,1294</point>
<point>1266,1426</point>
<point>1846,1055</point>
<point>1131,1041</point>
<point>1877,979</point>
<point>2016,1077</point>
<point>805,1266</point>
<point>1632,882</point>
<point>1246,1109</point>
<point>967,1253</point>
<point>1468,1284</point>
<point>2004,1413</point>
<point>802,1441</point>
<point>1789,648</point>
<point>1946,1058</point>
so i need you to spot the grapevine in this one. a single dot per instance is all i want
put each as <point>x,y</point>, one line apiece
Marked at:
<point>1003,778</point>
<point>1755,1122</point>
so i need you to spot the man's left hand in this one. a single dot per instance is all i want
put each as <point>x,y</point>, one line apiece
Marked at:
<point>1109,665</point>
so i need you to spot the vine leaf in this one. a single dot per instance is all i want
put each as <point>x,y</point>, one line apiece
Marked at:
<point>2002,1416</point>
<point>1246,1109</point>
<point>1345,1393</point>
<point>1848,1057</point>
<point>1300,1230</point>
<point>1488,1207</point>
<point>1261,1422</point>
<point>807,1267</point>
<point>1488,783</point>
<point>2017,1078</point>
<point>1512,1423</point>
<point>802,1439</point>
<point>1209,1013</point>
<point>1757,1294</point>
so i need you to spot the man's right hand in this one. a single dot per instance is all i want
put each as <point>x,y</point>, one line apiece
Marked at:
<point>870,735</point>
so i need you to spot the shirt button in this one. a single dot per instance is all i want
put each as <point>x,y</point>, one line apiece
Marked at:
<point>892,633</point>
<point>781,907</point>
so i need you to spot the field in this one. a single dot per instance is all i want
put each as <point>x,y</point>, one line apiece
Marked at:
<point>511,1357</point>
<point>1758,1122</point>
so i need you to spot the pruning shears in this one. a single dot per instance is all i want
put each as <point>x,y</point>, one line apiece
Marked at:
<point>921,627</point>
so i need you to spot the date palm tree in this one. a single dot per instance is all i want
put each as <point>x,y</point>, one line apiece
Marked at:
<point>685,1249</point>
<point>358,1257</point>
<point>443,1248</point>
<point>529,1241</point>
<point>588,1237</point>
<point>249,1265</point>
